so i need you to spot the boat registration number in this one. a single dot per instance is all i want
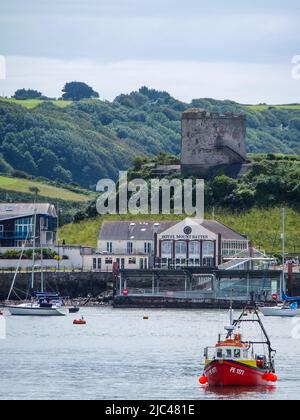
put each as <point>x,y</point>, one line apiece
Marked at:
<point>212,371</point>
<point>236,371</point>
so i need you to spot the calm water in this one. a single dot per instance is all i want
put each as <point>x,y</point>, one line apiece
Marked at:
<point>118,355</point>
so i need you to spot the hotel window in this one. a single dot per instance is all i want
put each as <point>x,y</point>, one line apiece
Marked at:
<point>194,248</point>
<point>132,261</point>
<point>108,261</point>
<point>129,247</point>
<point>208,262</point>
<point>208,248</point>
<point>94,263</point>
<point>109,247</point>
<point>166,248</point>
<point>147,247</point>
<point>180,248</point>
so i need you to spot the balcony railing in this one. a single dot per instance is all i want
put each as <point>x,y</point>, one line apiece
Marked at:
<point>21,236</point>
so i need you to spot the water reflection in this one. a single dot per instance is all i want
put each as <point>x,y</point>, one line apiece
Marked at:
<point>237,392</point>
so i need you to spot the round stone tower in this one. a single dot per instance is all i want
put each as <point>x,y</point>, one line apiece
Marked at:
<point>211,141</point>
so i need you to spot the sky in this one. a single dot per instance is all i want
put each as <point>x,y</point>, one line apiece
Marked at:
<point>238,50</point>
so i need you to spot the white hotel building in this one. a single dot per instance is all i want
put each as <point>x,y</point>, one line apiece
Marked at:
<point>144,245</point>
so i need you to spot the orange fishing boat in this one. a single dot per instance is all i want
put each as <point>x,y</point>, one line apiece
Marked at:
<point>234,361</point>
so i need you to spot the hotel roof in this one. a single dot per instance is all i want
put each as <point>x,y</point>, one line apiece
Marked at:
<point>143,231</point>
<point>139,231</point>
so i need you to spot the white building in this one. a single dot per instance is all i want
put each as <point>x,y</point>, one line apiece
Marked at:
<point>143,245</point>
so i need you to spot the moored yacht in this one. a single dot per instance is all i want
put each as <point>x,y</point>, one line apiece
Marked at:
<point>41,303</point>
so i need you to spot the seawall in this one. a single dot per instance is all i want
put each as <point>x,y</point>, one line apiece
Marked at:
<point>72,284</point>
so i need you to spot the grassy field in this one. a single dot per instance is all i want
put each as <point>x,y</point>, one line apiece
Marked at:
<point>263,227</point>
<point>33,103</point>
<point>24,185</point>
<point>266,107</point>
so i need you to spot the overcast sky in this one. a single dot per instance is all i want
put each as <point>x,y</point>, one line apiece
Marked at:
<point>234,49</point>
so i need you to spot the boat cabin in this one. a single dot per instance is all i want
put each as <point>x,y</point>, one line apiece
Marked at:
<point>234,349</point>
<point>230,348</point>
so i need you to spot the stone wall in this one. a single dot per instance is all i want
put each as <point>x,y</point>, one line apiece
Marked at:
<point>73,284</point>
<point>211,140</point>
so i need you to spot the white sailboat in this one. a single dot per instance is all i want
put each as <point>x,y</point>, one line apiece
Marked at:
<point>280,310</point>
<point>41,303</point>
<point>290,306</point>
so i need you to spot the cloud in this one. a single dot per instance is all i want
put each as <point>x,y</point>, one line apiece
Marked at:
<point>185,80</point>
<point>238,37</point>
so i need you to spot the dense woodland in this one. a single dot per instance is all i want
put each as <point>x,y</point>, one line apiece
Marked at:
<point>92,139</point>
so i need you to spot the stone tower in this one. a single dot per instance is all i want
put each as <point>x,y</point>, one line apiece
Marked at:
<point>211,141</point>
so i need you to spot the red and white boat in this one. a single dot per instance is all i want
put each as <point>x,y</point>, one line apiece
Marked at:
<point>234,361</point>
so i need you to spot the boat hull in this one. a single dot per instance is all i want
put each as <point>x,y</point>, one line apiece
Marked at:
<point>230,373</point>
<point>278,311</point>
<point>35,311</point>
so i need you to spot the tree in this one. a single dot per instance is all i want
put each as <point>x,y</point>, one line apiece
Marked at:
<point>75,91</point>
<point>27,94</point>
<point>34,190</point>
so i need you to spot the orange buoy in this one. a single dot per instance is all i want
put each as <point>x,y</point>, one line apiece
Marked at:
<point>81,321</point>
<point>270,377</point>
<point>273,377</point>
<point>203,380</point>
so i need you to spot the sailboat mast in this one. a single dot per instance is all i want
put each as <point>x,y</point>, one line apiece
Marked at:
<point>42,260</point>
<point>33,249</point>
<point>283,252</point>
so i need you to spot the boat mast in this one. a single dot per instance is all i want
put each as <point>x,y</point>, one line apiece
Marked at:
<point>42,261</point>
<point>283,254</point>
<point>33,250</point>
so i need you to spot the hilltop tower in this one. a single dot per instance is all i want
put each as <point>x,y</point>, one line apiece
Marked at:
<point>211,141</point>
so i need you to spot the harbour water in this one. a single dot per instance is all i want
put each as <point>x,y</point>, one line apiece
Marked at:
<point>119,355</point>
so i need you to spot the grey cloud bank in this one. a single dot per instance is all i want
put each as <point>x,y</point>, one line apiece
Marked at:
<point>237,50</point>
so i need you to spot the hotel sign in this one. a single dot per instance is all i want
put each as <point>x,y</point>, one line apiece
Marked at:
<point>185,237</point>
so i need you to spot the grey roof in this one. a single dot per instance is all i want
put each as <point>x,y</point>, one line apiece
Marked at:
<point>143,231</point>
<point>225,231</point>
<point>17,210</point>
<point>140,231</point>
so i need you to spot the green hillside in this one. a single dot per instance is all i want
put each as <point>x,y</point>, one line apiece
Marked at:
<point>45,190</point>
<point>70,200</point>
<point>33,103</point>
<point>84,141</point>
<point>263,227</point>
<point>268,107</point>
